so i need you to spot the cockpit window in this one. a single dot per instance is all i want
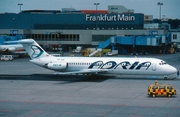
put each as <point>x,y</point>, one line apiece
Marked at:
<point>162,63</point>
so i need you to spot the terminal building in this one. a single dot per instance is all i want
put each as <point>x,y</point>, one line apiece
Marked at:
<point>70,27</point>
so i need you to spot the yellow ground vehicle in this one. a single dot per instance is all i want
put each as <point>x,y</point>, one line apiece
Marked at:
<point>161,90</point>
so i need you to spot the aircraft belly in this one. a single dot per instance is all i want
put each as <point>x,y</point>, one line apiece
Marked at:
<point>134,72</point>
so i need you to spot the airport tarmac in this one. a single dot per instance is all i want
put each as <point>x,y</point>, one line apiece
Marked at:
<point>105,98</point>
<point>26,96</point>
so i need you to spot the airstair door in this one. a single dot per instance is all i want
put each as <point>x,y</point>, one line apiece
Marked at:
<point>154,67</point>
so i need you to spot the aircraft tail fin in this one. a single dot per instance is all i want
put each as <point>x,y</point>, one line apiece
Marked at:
<point>33,48</point>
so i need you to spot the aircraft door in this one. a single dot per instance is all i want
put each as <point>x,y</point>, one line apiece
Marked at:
<point>153,67</point>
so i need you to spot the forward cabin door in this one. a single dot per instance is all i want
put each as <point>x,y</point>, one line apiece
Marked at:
<point>153,67</point>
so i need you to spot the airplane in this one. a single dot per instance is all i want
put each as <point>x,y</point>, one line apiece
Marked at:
<point>98,65</point>
<point>12,49</point>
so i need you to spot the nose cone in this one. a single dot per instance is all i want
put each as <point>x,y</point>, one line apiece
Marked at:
<point>171,70</point>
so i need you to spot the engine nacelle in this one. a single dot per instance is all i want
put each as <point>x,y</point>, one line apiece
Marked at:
<point>57,66</point>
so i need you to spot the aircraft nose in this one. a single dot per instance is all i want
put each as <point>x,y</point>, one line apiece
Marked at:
<point>172,70</point>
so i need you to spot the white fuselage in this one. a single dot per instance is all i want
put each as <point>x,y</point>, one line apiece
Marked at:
<point>118,65</point>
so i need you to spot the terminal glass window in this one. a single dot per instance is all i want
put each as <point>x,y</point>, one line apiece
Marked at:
<point>54,37</point>
<point>42,36</point>
<point>174,36</point>
<point>46,36</point>
<point>29,36</point>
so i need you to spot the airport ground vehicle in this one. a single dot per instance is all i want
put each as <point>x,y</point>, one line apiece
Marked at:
<point>161,90</point>
<point>113,53</point>
<point>7,57</point>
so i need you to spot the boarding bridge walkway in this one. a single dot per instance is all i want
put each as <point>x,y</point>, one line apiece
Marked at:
<point>134,41</point>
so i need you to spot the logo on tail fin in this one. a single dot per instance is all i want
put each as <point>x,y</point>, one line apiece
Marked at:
<point>37,51</point>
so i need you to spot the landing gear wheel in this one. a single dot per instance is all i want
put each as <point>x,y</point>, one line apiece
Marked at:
<point>173,78</point>
<point>90,77</point>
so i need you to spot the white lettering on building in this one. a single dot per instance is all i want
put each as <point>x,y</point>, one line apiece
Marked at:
<point>109,18</point>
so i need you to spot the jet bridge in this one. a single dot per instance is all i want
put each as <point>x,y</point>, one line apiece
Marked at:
<point>135,41</point>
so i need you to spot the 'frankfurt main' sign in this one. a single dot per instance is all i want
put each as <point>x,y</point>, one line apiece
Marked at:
<point>109,18</point>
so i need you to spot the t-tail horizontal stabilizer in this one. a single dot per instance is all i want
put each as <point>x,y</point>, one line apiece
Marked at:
<point>33,48</point>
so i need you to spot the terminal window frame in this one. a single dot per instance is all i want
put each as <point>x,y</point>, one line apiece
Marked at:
<point>54,37</point>
<point>174,36</point>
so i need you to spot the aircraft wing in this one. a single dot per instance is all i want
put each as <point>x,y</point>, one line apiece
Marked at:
<point>85,71</point>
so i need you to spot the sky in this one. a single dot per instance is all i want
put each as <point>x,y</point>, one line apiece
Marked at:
<point>169,9</point>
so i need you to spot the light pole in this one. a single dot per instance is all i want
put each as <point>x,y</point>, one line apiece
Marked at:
<point>96,12</point>
<point>160,3</point>
<point>96,5</point>
<point>20,4</point>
